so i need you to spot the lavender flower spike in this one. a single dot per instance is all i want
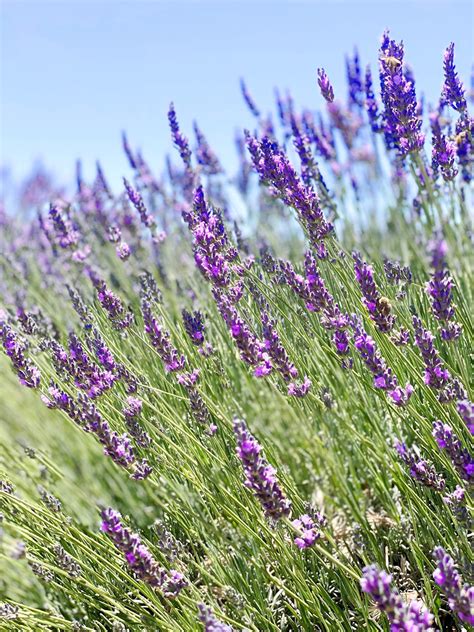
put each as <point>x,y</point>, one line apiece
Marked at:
<point>436,377</point>
<point>453,92</point>
<point>180,141</point>
<point>466,410</point>
<point>401,119</point>
<point>139,557</point>
<point>325,85</point>
<point>209,621</point>
<point>377,306</point>
<point>160,339</point>
<point>260,477</point>
<point>137,201</point>
<point>383,375</point>
<point>460,596</point>
<point>447,440</point>
<point>420,470</point>
<point>28,374</point>
<point>403,617</point>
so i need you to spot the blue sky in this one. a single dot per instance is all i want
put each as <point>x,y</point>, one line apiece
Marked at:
<point>74,74</point>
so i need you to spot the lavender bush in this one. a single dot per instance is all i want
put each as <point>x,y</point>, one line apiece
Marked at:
<point>214,420</point>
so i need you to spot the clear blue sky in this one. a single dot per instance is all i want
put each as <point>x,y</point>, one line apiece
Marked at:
<point>74,74</point>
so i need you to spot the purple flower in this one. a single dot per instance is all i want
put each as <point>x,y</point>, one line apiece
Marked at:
<point>204,154</point>
<point>271,340</point>
<point>139,557</point>
<point>275,170</point>
<point>252,350</point>
<point>66,235</point>
<point>85,414</point>
<point>309,529</point>
<point>443,152</point>
<point>260,477</point>
<point>401,120</point>
<point>383,375</point>
<point>420,470</point>
<point>466,410</point>
<point>123,251</point>
<point>131,411</point>
<point>377,306</point>
<point>118,316</point>
<point>213,252</point>
<point>194,326</point>
<point>371,102</point>
<point>325,85</point>
<point>402,617</point>
<point>28,374</point>
<point>137,201</point>
<point>249,100</point>
<point>460,596</point>
<point>299,390</point>
<point>447,440</point>
<point>180,141</point>
<point>440,290</point>
<point>128,151</point>
<point>436,376</point>
<point>317,298</point>
<point>209,621</point>
<point>453,89</point>
<point>355,81</point>
<point>160,339</point>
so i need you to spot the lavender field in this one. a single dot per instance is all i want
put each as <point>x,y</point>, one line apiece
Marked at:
<point>243,401</point>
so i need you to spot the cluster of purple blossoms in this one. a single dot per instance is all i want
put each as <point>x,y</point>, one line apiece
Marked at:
<point>325,85</point>
<point>371,105</point>
<point>460,596</point>
<point>139,557</point>
<point>317,298</point>
<point>275,169</point>
<point>249,100</point>
<point>276,350</point>
<point>440,290</point>
<point>309,529</point>
<point>396,273</point>
<point>383,376</point>
<point>66,235</point>
<point>377,305</point>
<point>466,411</point>
<point>180,141</point>
<point>104,356</point>
<point>465,146</point>
<point>436,376</point>
<point>402,616</point>
<point>117,314</point>
<point>260,477</point>
<point>132,411</point>
<point>137,201</point>
<point>453,92</point>
<point>28,374</point>
<point>160,339</point>
<point>194,326</point>
<point>447,440</point>
<point>252,350</point>
<point>213,253</point>
<point>85,414</point>
<point>443,152</point>
<point>401,119</point>
<point>210,622</point>
<point>87,375</point>
<point>420,470</point>
<point>204,154</point>
<point>355,81</point>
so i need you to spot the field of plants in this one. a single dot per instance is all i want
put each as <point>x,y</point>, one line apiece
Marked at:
<point>243,401</point>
